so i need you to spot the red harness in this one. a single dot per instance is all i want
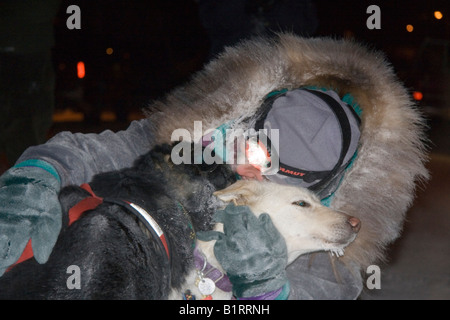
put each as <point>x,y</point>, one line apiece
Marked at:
<point>91,203</point>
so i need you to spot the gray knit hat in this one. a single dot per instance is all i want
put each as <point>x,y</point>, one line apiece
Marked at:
<point>318,136</point>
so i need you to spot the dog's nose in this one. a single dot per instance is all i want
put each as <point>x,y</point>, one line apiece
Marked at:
<point>355,223</point>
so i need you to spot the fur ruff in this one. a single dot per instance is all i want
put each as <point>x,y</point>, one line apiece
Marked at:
<point>380,186</point>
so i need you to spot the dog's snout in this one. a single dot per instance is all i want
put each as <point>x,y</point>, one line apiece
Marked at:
<point>355,223</point>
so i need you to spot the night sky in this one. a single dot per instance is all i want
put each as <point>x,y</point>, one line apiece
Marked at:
<point>159,44</point>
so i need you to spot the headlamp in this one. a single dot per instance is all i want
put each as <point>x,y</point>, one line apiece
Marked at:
<point>257,154</point>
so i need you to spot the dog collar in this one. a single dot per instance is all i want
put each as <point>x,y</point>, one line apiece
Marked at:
<point>192,234</point>
<point>208,278</point>
<point>146,219</point>
<point>93,201</point>
<point>220,279</point>
<point>90,203</point>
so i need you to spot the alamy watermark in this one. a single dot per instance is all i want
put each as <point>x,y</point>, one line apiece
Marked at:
<point>74,20</point>
<point>374,20</point>
<point>74,280</point>
<point>230,146</point>
<point>373,281</point>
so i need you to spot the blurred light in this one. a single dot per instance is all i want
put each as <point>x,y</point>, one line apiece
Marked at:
<point>438,15</point>
<point>81,71</point>
<point>349,34</point>
<point>409,28</point>
<point>67,115</point>
<point>108,116</point>
<point>109,51</point>
<point>417,95</point>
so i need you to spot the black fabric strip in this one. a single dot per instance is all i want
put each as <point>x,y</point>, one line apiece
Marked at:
<point>264,110</point>
<point>340,114</point>
<point>136,213</point>
<point>305,175</point>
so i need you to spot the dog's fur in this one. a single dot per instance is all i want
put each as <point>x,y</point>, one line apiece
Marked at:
<point>118,259</point>
<point>308,228</point>
<point>379,187</point>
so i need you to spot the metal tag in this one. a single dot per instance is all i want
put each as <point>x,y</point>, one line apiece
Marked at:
<point>206,286</point>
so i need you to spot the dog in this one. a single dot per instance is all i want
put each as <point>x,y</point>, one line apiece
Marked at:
<point>306,225</point>
<point>150,251</point>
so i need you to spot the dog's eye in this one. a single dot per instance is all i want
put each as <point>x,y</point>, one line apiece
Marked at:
<point>301,203</point>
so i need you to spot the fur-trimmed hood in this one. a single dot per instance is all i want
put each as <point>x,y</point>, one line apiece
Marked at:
<point>379,187</point>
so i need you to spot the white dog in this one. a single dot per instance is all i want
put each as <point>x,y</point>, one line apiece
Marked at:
<point>305,224</point>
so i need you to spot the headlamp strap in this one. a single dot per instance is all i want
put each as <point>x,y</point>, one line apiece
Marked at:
<point>346,130</point>
<point>305,175</point>
<point>310,176</point>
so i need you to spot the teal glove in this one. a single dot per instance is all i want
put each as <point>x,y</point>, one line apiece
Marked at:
<point>251,251</point>
<point>29,208</point>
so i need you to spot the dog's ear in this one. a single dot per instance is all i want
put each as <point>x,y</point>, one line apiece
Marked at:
<point>241,193</point>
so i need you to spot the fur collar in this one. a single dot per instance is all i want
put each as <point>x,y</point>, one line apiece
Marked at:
<point>379,188</point>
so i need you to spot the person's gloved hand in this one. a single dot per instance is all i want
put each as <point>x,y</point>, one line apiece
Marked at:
<point>29,209</point>
<point>251,251</point>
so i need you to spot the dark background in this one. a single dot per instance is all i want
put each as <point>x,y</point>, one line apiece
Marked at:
<point>159,44</point>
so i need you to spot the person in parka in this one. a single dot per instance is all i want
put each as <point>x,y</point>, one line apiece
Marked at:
<point>377,188</point>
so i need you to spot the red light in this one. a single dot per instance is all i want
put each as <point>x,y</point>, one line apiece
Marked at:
<point>417,95</point>
<point>81,71</point>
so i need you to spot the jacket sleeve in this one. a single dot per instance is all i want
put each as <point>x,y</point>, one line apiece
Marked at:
<point>316,276</point>
<point>77,157</point>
